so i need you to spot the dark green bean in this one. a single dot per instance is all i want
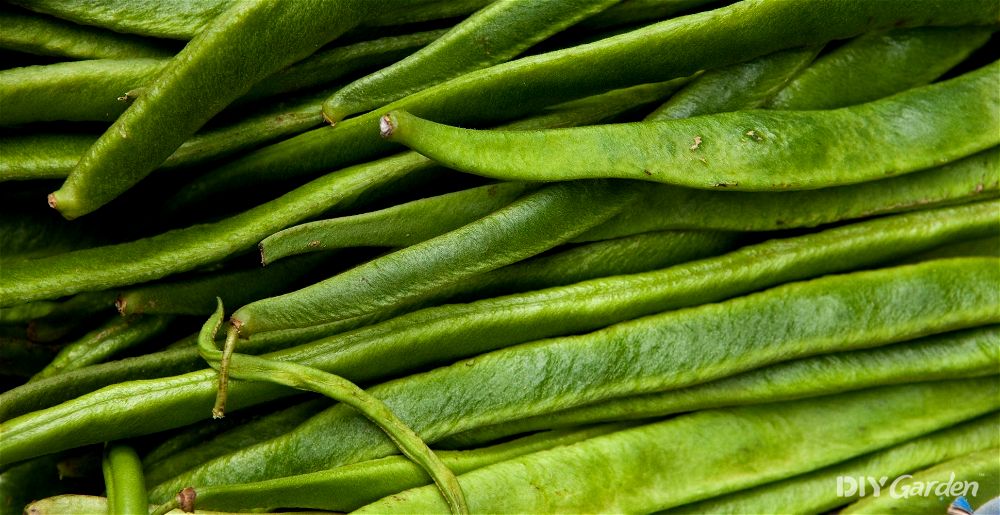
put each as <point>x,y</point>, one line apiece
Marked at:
<point>82,305</point>
<point>26,481</point>
<point>878,65</point>
<point>950,356</point>
<point>123,481</point>
<point>633,11</point>
<point>989,246</point>
<point>746,151</point>
<point>35,235</point>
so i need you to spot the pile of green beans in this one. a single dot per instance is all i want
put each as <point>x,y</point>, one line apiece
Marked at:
<point>499,256</point>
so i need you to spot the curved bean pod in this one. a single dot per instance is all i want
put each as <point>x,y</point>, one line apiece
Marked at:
<point>873,66</point>
<point>656,353</point>
<point>397,226</point>
<point>43,35</point>
<point>123,481</point>
<point>981,467</point>
<point>950,356</point>
<point>427,337</point>
<point>207,75</point>
<point>668,207</point>
<point>495,34</point>
<point>811,493</point>
<point>114,336</point>
<point>747,151</point>
<point>714,92</point>
<point>733,449</point>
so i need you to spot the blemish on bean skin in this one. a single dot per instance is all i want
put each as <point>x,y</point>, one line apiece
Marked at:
<point>647,172</point>
<point>979,188</point>
<point>724,184</point>
<point>755,135</point>
<point>186,498</point>
<point>779,223</point>
<point>697,143</point>
<point>313,244</point>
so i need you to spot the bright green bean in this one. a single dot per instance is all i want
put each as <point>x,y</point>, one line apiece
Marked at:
<point>928,491</point>
<point>493,35</point>
<point>123,480</point>
<point>34,34</point>
<point>41,156</point>
<point>714,91</point>
<point>670,207</point>
<point>709,453</point>
<point>816,492</point>
<point>669,49</point>
<point>655,353</point>
<point>428,337</point>
<point>747,151</point>
<point>113,337</point>
<point>877,65</point>
<point>397,226</point>
<point>951,356</point>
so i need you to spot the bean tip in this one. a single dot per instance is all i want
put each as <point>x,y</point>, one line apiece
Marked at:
<point>387,125</point>
<point>186,498</point>
<point>263,256</point>
<point>53,202</point>
<point>121,303</point>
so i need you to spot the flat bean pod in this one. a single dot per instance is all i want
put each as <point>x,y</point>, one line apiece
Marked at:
<point>114,336</point>
<point>669,207</point>
<point>655,353</point>
<point>920,493</point>
<point>36,34</point>
<point>733,449</point>
<point>427,337</point>
<point>495,34</point>
<point>123,481</point>
<point>950,356</point>
<point>666,50</point>
<point>876,65</point>
<point>746,151</point>
<point>811,493</point>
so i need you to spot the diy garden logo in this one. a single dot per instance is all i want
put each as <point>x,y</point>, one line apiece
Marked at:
<point>904,487</point>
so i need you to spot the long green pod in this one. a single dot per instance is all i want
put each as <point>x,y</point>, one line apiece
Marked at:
<point>664,207</point>
<point>397,226</point>
<point>951,356</point>
<point>535,223</point>
<point>428,337</point>
<point>655,353</point>
<point>34,34</point>
<point>669,49</point>
<point>929,491</point>
<point>350,487</point>
<point>73,504</point>
<point>758,80</point>
<point>876,65</point>
<point>41,156</point>
<point>710,453</point>
<point>238,49</point>
<point>633,11</point>
<point>114,336</point>
<point>744,151</point>
<point>495,34</point>
<point>123,481</point>
<point>816,492</point>
<point>989,246</point>
<point>84,304</point>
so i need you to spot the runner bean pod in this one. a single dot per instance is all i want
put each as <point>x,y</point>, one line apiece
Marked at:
<point>123,481</point>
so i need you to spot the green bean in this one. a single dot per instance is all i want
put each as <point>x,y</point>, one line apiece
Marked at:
<point>655,353</point>
<point>84,304</point>
<point>669,49</point>
<point>815,492</point>
<point>91,505</point>
<point>26,481</point>
<point>426,12</point>
<point>493,35</point>
<point>123,480</point>
<point>747,151</point>
<point>254,368</point>
<point>633,11</point>
<point>929,491</point>
<point>668,207</point>
<point>41,156</point>
<point>23,357</point>
<point>428,337</point>
<point>35,34</point>
<point>350,487</point>
<point>397,226</point>
<point>989,246</point>
<point>113,337</point>
<point>951,356</point>
<point>876,65</point>
<point>196,295</point>
<point>732,449</point>
<point>208,74</point>
<point>714,91</point>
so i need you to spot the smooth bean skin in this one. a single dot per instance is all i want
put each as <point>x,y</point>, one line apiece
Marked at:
<point>876,65</point>
<point>656,353</point>
<point>733,449</point>
<point>34,34</point>
<point>397,226</point>
<point>664,207</point>
<point>41,156</point>
<point>743,151</point>
<point>123,481</point>
<point>964,354</point>
<point>666,50</point>
<point>982,467</point>
<point>811,492</point>
<point>495,34</point>
<point>758,80</point>
<point>428,337</point>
